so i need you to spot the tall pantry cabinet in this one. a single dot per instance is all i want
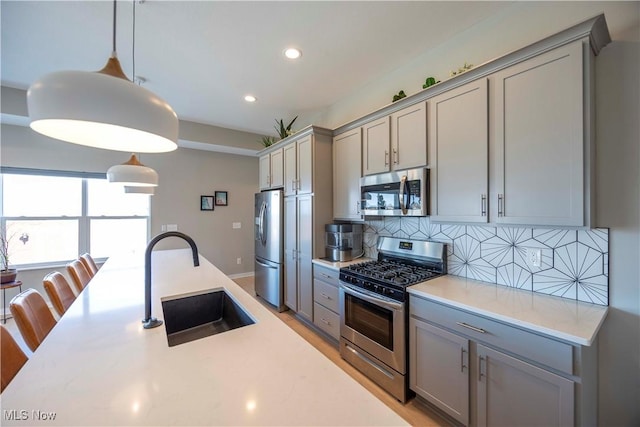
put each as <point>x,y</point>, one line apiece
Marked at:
<point>307,208</point>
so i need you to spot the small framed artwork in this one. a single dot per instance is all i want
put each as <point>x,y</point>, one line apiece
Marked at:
<point>221,198</point>
<point>206,203</point>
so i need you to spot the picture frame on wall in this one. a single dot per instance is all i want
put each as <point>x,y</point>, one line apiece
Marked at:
<point>221,198</point>
<point>206,203</point>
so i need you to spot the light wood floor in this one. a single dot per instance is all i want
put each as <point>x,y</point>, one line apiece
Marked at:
<point>414,412</point>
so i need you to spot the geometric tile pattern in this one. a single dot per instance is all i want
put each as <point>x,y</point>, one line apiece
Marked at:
<point>574,263</point>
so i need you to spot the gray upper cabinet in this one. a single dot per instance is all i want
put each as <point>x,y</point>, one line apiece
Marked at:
<point>271,173</point>
<point>538,140</point>
<point>409,137</point>
<point>347,170</point>
<point>459,153</point>
<point>395,142</point>
<point>298,167</point>
<point>375,146</point>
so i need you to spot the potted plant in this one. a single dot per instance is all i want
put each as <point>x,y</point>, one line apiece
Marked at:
<point>6,274</point>
<point>284,131</point>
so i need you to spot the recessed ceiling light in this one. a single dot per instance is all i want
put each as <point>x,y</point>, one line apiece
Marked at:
<point>292,53</point>
<point>250,98</point>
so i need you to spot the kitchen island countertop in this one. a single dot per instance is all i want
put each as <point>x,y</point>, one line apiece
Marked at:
<point>98,366</point>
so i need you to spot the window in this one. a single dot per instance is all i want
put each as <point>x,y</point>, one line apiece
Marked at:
<point>52,217</point>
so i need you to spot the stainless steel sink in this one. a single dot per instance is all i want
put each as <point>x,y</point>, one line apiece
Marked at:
<point>194,316</point>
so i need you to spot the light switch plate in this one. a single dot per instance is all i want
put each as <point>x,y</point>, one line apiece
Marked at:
<point>237,225</point>
<point>172,227</point>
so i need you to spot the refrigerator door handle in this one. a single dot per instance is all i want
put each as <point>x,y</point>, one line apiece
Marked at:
<point>266,265</point>
<point>263,210</point>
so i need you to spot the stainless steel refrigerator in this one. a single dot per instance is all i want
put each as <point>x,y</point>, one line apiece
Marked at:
<point>269,247</point>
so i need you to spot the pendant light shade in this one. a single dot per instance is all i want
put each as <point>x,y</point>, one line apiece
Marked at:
<point>145,191</point>
<point>133,173</point>
<point>102,109</point>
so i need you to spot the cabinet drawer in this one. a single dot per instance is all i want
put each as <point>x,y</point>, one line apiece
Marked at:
<point>534,347</point>
<point>325,294</point>
<point>327,274</point>
<point>327,320</point>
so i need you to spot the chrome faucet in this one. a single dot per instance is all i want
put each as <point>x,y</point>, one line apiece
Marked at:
<point>148,321</point>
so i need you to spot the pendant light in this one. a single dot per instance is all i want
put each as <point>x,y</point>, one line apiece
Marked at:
<point>102,109</point>
<point>133,173</point>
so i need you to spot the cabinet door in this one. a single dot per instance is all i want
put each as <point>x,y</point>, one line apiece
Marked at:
<point>439,368</point>
<point>277,173</point>
<point>409,137</point>
<point>305,255</point>
<point>538,140</point>
<point>459,150</point>
<point>347,170</point>
<point>290,169</point>
<point>265,171</point>
<point>304,182</point>
<point>290,253</point>
<point>375,153</point>
<point>511,392</point>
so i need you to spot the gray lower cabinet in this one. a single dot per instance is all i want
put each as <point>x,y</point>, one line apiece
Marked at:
<point>325,299</point>
<point>439,368</point>
<point>512,392</point>
<point>484,372</point>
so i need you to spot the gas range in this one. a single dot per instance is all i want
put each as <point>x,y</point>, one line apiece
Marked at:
<point>374,309</point>
<point>401,263</point>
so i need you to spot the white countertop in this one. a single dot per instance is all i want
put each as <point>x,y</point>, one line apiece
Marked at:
<point>573,321</point>
<point>98,366</point>
<point>338,265</point>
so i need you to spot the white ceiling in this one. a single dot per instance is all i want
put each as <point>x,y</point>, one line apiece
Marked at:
<point>204,56</point>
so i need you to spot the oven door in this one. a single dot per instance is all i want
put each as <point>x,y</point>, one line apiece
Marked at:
<point>375,324</point>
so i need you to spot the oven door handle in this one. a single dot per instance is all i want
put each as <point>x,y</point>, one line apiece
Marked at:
<point>377,300</point>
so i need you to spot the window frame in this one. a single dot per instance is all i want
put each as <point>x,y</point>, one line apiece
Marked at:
<point>84,220</point>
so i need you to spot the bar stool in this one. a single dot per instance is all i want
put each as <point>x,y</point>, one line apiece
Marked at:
<point>13,358</point>
<point>89,264</point>
<point>79,274</point>
<point>33,317</point>
<point>4,287</point>
<point>59,291</point>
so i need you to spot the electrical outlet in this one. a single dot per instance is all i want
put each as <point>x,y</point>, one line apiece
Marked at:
<point>239,261</point>
<point>172,227</point>
<point>534,257</point>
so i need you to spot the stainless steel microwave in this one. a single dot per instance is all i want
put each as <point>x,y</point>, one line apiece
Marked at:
<point>398,193</point>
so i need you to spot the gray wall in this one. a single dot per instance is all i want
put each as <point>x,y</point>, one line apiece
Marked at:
<point>618,157</point>
<point>185,174</point>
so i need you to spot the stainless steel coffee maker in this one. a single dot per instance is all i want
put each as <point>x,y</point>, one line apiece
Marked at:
<point>343,242</point>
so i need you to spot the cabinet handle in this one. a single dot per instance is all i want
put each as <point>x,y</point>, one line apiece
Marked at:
<point>386,157</point>
<point>298,184</point>
<point>473,328</point>
<point>358,208</point>
<point>269,180</point>
<point>395,157</point>
<point>462,365</point>
<point>480,374</point>
<point>325,275</point>
<point>325,321</point>
<point>293,254</point>
<point>483,206</point>
<point>500,205</point>
<point>326,296</point>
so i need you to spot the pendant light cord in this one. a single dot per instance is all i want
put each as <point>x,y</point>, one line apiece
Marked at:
<point>114,29</point>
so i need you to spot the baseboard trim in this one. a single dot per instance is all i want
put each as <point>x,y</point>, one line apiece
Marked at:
<point>241,275</point>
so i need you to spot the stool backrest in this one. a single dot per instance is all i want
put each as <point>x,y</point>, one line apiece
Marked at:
<point>79,274</point>
<point>89,264</point>
<point>33,317</point>
<point>12,357</point>
<point>59,291</point>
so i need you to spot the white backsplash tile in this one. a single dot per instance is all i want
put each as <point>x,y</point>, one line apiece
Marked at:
<point>574,263</point>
